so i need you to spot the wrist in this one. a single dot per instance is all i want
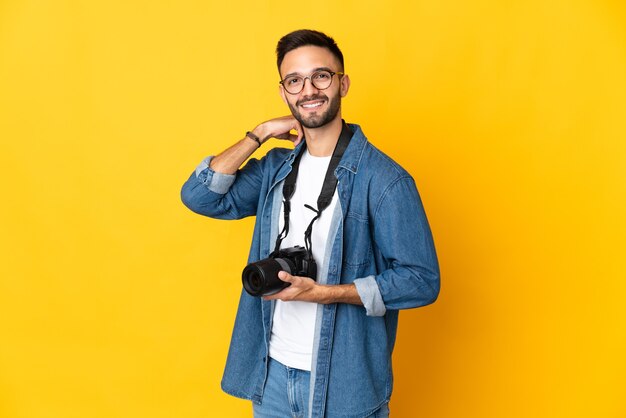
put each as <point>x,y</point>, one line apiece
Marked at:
<point>261,132</point>
<point>338,293</point>
<point>253,137</point>
<point>323,294</point>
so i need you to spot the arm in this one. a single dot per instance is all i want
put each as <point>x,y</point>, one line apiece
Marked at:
<point>307,290</point>
<point>412,276</point>
<point>229,160</point>
<point>212,189</point>
<point>404,240</point>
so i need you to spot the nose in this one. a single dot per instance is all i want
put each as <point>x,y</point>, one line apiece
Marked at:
<point>310,89</point>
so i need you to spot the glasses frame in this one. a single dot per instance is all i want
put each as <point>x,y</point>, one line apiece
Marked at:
<point>332,74</point>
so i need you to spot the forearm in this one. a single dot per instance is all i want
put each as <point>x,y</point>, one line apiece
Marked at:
<point>229,160</point>
<point>221,195</point>
<point>340,293</point>
<point>307,290</point>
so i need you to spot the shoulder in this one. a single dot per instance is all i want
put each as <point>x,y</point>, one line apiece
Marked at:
<point>376,177</point>
<point>385,179</point>
<point>272,161</point>
<point>276,157</point>
<point>378,167</point>
<point>278,154</point>
<point>378,163</point>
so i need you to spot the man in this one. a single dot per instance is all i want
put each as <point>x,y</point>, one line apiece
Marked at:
<point>319,348</point>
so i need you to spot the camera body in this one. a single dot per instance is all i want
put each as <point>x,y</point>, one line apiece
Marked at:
<point>261,278</point>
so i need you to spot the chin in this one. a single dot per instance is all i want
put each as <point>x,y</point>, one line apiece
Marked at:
<point>316,121</point>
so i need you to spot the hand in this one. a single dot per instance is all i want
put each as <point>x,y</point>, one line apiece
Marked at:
<point>302,289</point>
<point>280,128</point>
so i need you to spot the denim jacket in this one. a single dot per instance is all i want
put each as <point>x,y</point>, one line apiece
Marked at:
<point>379,240</point>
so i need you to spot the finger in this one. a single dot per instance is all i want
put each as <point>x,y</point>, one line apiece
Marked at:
<point>298,128</point>
<point>295,139</point>
<point>285,135</point>
<point>279,295</point>
<point>285,277</point>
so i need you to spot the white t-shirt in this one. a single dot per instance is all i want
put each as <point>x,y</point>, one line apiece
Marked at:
<point>293,326</point>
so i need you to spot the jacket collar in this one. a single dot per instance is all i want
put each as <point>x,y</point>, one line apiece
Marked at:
<point>351,157</point>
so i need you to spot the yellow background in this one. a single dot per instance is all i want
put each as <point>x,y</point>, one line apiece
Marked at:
<point>116,301</point>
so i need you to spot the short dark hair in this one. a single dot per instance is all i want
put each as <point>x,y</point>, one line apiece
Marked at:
<point>305,37</point>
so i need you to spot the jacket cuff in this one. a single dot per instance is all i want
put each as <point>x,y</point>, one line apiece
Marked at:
<point>214,181</point>
<point>369,293</point>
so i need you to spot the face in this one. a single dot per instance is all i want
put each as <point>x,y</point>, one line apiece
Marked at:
<point>312,107</point>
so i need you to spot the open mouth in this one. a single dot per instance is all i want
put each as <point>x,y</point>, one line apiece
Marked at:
<point>313,104</point>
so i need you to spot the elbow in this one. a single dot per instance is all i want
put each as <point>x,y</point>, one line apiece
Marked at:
<point>193,197</point>
<point>415,290</point>
<point>427,289</point>
<point>186,196</point>
<point>199,199</point>
<point>434,293</point>
<point>434,286</point>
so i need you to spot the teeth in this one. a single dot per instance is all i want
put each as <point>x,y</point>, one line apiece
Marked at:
<point>308,106</point>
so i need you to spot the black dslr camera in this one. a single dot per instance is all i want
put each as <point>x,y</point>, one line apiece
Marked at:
<point>261,278</point>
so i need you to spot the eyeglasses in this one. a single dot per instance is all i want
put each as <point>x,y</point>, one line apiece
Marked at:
<point>321,80</point>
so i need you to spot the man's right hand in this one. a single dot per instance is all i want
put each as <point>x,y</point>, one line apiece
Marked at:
<point>280,128</point>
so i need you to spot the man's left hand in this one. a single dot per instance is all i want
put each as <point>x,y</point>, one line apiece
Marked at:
<point>302,288</point>
<point>308,290</point>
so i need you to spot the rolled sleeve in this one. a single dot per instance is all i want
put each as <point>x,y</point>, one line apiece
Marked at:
<point>214,181</point>
<point>369,293</point>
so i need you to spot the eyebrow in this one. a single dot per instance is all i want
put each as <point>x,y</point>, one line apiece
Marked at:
<point>314,70</point>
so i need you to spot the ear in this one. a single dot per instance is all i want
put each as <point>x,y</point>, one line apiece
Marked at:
<point>281,90</point>
<point>345,85</point>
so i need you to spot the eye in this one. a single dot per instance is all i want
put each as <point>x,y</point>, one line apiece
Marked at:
<point>293,80</point>
<point>322,75</point>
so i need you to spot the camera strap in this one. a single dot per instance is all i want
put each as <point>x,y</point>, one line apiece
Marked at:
<point>326,195</point>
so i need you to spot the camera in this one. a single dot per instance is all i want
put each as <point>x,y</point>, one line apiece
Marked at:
<point>261,278</point>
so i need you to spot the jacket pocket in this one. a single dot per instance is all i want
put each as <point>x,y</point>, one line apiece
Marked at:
<point>357,241</point>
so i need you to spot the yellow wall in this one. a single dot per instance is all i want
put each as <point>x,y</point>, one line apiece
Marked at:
<point>116,301</point>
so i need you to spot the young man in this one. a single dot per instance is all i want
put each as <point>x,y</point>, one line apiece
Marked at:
<point>319,348</point>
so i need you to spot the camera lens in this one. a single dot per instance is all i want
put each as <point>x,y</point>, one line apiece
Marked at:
<point>255,280</point>
<point>261,278</point>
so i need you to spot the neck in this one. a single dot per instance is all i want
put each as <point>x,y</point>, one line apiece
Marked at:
<point>321,141</point>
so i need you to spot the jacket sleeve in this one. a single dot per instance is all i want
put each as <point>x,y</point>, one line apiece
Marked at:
<point>403,237</point>
<point>224,196</point>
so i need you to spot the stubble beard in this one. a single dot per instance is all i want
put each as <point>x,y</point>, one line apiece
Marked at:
<point>317,120</point>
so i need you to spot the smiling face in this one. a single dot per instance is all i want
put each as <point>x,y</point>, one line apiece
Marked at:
<point>312,107</point>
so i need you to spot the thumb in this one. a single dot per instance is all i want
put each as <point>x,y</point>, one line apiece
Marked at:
<point>285,277</point>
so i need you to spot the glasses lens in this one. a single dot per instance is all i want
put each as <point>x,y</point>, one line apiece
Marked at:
<point>293,84</point>
<point>321,79</point>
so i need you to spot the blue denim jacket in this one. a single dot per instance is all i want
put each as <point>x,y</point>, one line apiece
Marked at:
<point>379,239</point>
